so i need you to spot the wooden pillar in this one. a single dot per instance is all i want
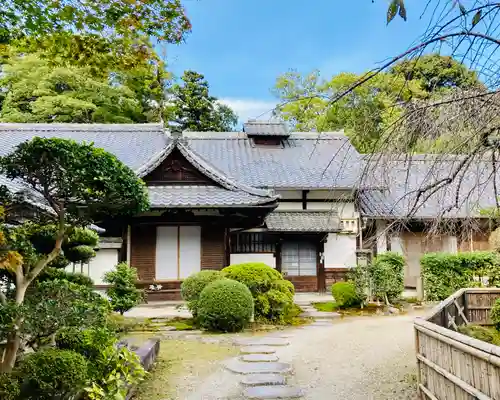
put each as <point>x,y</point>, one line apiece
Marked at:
<point>278,253</point>
<point>227,247</point>
<point>321,267</point>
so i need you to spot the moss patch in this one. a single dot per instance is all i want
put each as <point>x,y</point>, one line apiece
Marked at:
<point>331,306</point>
<point>180,365</point>
<point>486,334</point>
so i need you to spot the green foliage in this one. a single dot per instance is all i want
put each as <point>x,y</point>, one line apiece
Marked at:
<point>483,333</point>
<point>52,274</point>
<point>52,374</point>
<point>121,369</point>
<point>163,20</point>
<point>44,314</point>
<point>345,294</point>
<point>80,174</point>
<point>272,294</point>
<point>225,305</point>
<point>194,284</point>
<point>495,314</point>
<point>39,92</point>
<point>436,72</point>
<point>444,273</point>
<point>360,277</point>
<point>9,386</point>
<point>387,275</point>
<point>122,291</point>
<point>191,107</point>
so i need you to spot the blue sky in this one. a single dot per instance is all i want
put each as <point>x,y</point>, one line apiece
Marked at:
<point>241,46</point>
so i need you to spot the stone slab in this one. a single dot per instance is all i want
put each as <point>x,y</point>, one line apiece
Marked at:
<point>320,314</point>
<point>258,350</point>
<point>245,368</point>
<point>273,392</point>
<point>259,358</point>
<point>267,341</point>
<point>263,380</point>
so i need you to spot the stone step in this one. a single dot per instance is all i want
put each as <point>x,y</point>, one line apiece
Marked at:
<point>320,314</point>
<point>273,392</point>
<point>258,350</point>
<point>244,368</point>
<point>266,341</point>
<point>263,380</point>
<point>259,358</point>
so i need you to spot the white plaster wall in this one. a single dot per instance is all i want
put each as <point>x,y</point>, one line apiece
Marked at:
<point>381,236</point>
<point>340,251</point>
<point>344,210</point>
<point>166,252</point>
<point>330,194</point>
<point>450,244</point>
<point>291,206</point>
<point>266,258</point>
<point>290,194</point>
<point>190,250</point>
<point>397,244</point>
<point>104,261</point>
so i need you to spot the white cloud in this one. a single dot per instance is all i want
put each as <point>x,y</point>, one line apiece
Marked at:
<point>250,108</point>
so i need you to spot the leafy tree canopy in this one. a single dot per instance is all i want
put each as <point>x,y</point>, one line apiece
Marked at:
<point>436,72</point>
<point>162,19</point>
<point>190,107</point>
<point>38,92</point>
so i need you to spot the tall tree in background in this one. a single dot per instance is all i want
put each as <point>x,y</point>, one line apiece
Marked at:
<point>37,92</point>
<point>368,110</point>
<point>191,108</point>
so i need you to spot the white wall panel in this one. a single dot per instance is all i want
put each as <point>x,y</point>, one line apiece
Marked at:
<point>190,250</point>
<point>340,251</point>
<point>166,252</point>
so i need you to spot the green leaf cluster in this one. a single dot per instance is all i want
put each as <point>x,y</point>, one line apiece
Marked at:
<point>444,273</point>
<point>387,275</point>
<point>123,292</point>
<point>225,305</point>
<point>272,294</point>
<point>345,294</point>
<point>194,284</point>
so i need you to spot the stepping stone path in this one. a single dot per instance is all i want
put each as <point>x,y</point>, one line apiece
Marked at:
<point>259,357</point>
<point>263,375</point>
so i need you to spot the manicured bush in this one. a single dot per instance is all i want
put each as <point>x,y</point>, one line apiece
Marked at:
<point>387,276</point>
<point>225,305</point>
<point>445,273</point>
<point>272,294</point>
<point>52,374</point>
<point>484,333</point>
<point>344,294</point>
<point>9,386</point>
<point>360,277</point>
<point>193,285</point>
<point>51,274</point>
<point>495,314</point>
<point>123,292</point>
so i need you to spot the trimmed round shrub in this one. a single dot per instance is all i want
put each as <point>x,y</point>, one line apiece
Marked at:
<point>9,386</point>
<point>194,284</point>
<point>52,374</point>
<point>345,294</point>
<point>52,274</point>
<point>272,294</point>
<point>495,314</point>
<point>225,305</point>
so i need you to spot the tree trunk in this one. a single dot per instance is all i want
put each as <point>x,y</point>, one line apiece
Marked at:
<point>10,355</point>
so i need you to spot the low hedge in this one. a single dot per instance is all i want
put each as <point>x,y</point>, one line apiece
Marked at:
<point>9,386</point>
<point>387,275</point>
<point>445,273</point>
<point>52,374</point>
<point>272,294</point>
<point>345,294</point>
<point>193,285</point>
<point>225,305</point>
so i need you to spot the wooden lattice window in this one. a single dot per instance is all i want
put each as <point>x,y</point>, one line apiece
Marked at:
<point>253,242</point>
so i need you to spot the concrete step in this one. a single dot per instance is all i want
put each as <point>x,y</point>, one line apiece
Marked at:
<point>273,392</point>
<point>258,350</point>
<point>245,368</point>
<point>263,380</point>
<point>259,358</point>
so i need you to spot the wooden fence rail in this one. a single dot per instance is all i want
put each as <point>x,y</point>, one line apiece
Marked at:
<point>453,366</point>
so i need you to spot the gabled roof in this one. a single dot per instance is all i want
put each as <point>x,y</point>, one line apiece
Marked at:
<point>265,128</point>
<point>303,221</point>
<point>306,161</point>
<point>400,181</point>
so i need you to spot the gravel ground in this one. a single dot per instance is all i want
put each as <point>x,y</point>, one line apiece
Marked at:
<point>356,358</point>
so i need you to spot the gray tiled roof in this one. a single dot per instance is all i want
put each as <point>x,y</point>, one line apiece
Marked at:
<point>265,128</point>
<point>303,221</point>
<point>202,197</point>
<point>307,161</point>
<point>134,144</point>
<point>465,197</point>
